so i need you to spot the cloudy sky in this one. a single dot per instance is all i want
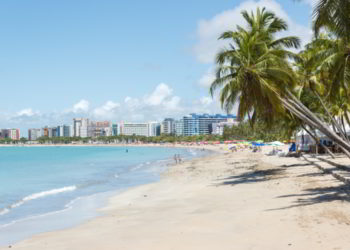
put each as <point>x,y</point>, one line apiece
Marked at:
<point>117,60</point>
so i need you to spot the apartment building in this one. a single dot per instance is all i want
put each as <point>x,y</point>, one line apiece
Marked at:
<point>141,129</point>
<point>201,124</point>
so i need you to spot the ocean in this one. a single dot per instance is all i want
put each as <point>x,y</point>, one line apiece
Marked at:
<point>50,188</point>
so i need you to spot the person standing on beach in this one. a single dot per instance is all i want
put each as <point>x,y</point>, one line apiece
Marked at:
<point>175,158</point>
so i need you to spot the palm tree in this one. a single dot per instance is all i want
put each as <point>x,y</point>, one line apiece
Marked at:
<point>334,16</point>
<point>255,72</point>
<point>242,69</point>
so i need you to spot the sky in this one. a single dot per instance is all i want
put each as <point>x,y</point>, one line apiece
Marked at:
<point>118,60</point>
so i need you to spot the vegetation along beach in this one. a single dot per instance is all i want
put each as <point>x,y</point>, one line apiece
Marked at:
<point>272,172</point>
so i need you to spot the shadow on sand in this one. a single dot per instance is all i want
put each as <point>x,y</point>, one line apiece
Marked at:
<point>252,177</point>
<point>313,196</point>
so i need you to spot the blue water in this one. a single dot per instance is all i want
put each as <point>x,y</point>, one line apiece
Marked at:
<point>40,181</point>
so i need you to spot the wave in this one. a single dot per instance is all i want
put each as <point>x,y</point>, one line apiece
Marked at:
<point>37,196</point>
<point>193,152</point>
<point>138,167</point>
<point>4,211</point>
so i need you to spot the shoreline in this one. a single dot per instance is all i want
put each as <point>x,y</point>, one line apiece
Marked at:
<point>214,148</point>
<point>246,200</point>
<point>71,210</point>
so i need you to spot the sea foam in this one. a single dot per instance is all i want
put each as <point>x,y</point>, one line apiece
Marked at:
<point>37,196</point>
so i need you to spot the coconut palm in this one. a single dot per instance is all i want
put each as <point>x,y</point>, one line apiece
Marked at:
<point>242,69</point>
<point>332,69</point>
<point>255,72</point>
<point>334,15</point>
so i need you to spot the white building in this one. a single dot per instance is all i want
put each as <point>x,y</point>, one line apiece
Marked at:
<point>218,128</point>
<point>34,134</point>
<point>71,130</point>
<point>63,131</point>
<point>108,131</point>
<point>141,129</point>
<point>168,126</point>
<point>76,126</point>
<point>154,128</point>
<point>179,127</point>
<point>82,127</point>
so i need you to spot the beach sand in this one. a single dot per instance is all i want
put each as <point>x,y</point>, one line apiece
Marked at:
<point>238,200</point>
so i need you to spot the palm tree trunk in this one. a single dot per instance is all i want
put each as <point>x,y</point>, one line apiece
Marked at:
<point>303,113</point>
<point>347,118</point>
<point>321,125</point>
<point>317,140</point>
<point>344,129</point>
<point>337,125</point>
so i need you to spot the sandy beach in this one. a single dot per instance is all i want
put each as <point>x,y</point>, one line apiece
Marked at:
<point>240,200</point>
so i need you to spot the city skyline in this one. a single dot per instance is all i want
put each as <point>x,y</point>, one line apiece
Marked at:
<point>84,59</point>
<point>188,125</point>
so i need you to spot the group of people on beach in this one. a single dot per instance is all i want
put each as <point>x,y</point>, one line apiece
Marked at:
<point>177,158</point>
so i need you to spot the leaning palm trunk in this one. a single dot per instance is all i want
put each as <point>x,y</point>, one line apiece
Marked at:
<point>344,129</point>
<point>299,110</point>
<point>334,122</point>
<point>347,117</point>
<point>317,140</point>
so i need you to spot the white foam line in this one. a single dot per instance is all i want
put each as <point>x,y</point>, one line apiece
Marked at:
<point>67,207</point>
<point>37,196</point>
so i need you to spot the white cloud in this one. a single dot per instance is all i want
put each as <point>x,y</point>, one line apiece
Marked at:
<point>26,112</point>
<point>163,96</point>
<point>132,103</point>
<point>173,103</point>
<point>107,110</point>
<point>161,92</point>
<point>207,79</point>
<point>81,106</point>
<point>209,30</point>
<point>24,116</point>
<point>155,106</point>
<point>206,100</point>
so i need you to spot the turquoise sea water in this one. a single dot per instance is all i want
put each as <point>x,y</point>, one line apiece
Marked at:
<point>47,188</point>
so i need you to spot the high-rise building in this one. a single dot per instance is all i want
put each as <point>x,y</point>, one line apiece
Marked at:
<point>179,127</point>
<point>196,124</point>
<point>71,130</point>
<point>4,133</point>
<point>114,129</point>
<point>154,128</point>
<point>34,134</point>
<point>141,129</point>
<point>218,128</point>
<point>100,129</point>
<point>108,131</point>
<point>42,132</point>
<point>82,127</point>
<point>14,134</point>
<point>54,132</point>
<point>77,122</point>
<point>63,131</point>
<point>46,132</point>
<point>168,126</point>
